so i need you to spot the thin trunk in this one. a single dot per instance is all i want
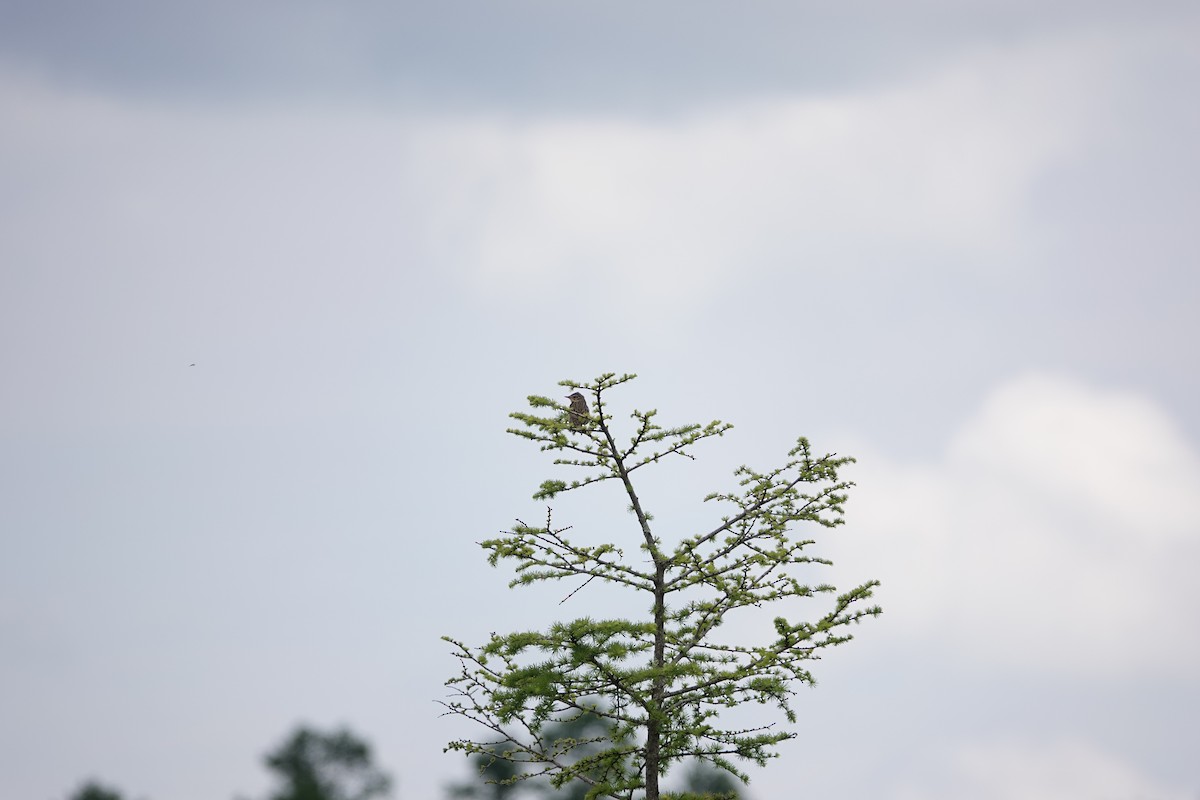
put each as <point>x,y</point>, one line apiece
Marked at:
<point>658,687</point>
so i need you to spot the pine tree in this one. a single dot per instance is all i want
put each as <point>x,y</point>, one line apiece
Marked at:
<point>661,681</point>
<point>312,765</point>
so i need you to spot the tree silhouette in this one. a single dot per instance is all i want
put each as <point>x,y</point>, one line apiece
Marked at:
<point>311,765</point>
<point>498,778</point>
<point>93,790</point>
<point>502,778</point>
<point>703,781</point>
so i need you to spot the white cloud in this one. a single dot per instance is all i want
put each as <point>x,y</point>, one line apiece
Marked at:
<point>938,168</point>
<point>1056,533</point>
<point>1063,770</point>
<point>1115,454</point>
<point>679,207</point>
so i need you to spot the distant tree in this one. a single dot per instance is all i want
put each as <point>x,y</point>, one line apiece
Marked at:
<point>701,781</point>
<point>311,765</point>
<point>497,778</point>
<point>92,790</point>
<point>664,679</point>
<point>502,779</point>
<point>582,738</point>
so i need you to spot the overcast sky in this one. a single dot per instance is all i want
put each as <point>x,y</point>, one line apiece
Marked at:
<point>273,275</point>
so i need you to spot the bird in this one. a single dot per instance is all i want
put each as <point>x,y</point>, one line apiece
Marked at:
<point>579,411</point>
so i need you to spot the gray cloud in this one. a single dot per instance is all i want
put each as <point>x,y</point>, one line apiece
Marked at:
<point>527,55</point>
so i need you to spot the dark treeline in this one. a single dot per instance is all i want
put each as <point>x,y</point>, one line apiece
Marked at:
<point>339,765</point>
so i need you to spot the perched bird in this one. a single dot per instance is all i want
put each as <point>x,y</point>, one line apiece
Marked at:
<point>579,411</point>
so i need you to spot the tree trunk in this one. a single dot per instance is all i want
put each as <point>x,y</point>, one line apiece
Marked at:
<point>658,688</point>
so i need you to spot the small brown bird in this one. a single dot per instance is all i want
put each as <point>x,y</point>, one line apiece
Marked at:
<point>579,411</point>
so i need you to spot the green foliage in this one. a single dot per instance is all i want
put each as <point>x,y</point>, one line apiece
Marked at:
<point>704,782</point>
<point>661,682</point>
<point>500,778</point>
<point>582,736</point>
<point>325,766</point>
<point>94,791</point>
